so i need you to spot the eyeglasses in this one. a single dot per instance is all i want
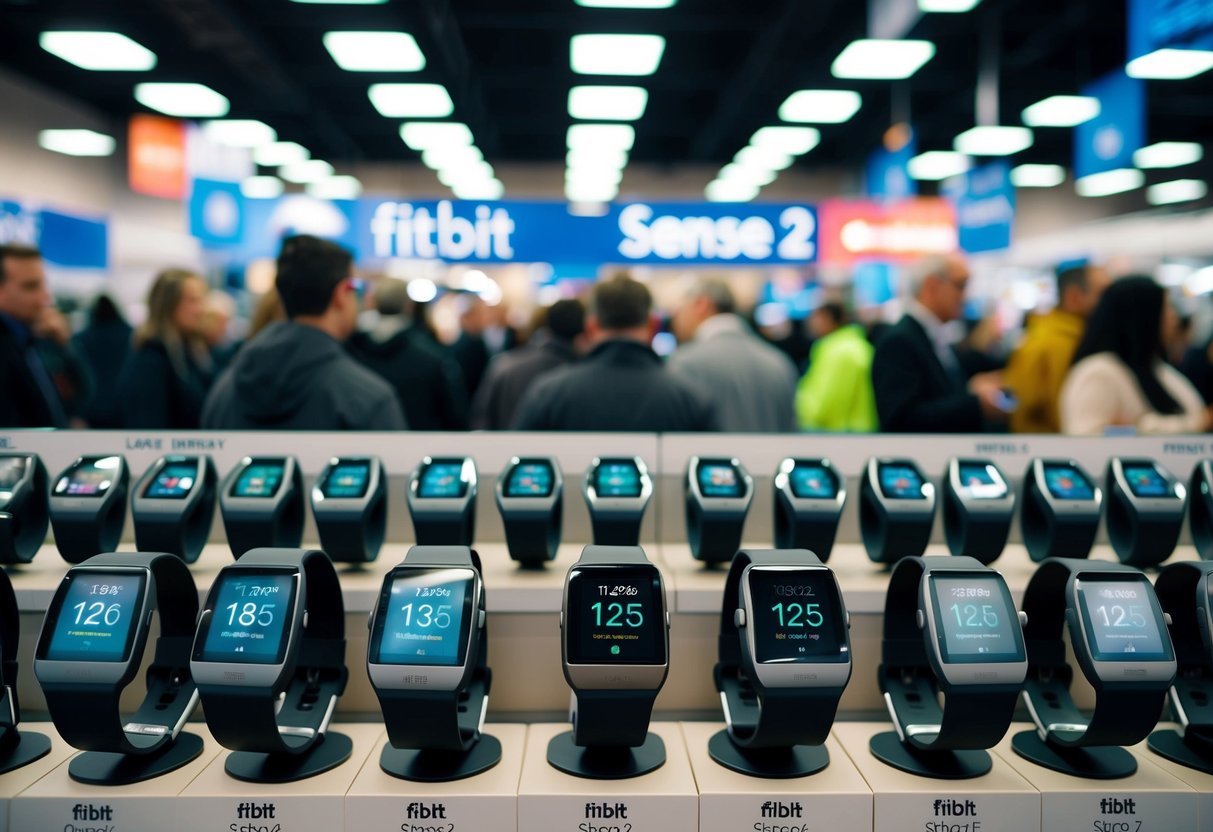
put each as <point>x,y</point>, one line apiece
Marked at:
<point>360,287</point>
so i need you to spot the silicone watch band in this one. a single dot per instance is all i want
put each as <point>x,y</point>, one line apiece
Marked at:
<point>533,541</point>
<point>24,521</point>
<point>186,536</point>
<point>1139,541</point>
<point>712,540</point>
<point>458,531</point>
<point>794,531</point>
<point>1192,693</point>
<point>10,637</point>
<point>1045,535</point>
<point>1200,509</point>
<point>281,529</point>
<point>888,539</point>
<point>973,534</point>
<point>356,539</point>
<point>79,539</point>
<point>616,531</point>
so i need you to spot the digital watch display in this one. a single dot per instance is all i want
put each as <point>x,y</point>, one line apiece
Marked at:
<point>442,501</point>
<point>1061,509</point>
<point>1146,507</point>
<point>530,498</point>
<point>617,491</point>
<point>174,505</point>
<point>978,505</point>
<point>88,506</point>
<point>717,496</point>
<point>896,509</point>
<point>809,496</point>
<point>261,501</point>
<point>349,504</point>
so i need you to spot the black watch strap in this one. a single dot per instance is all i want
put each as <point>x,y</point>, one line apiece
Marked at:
<point>1139,541</point>
<point>24,521</point>
<point>10,637</point>
<point>446,531</point>
<point>281,528</point>
<point>888,538</point>
<point>533,541</point>
<point>1045,535</point>
<point>713,539</point>
<point>79,539</point>
<point>1200,508</point>
<point>1192,694</point>
<point>89,717</point>
<point>356,539</point>
<point>804,531</point>
<point>973,534</point>
<point>615,530</point>
<point>186,536</point>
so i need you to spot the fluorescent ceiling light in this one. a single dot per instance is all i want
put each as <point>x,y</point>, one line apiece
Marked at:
<point>1168,155</point>
<point>604,137</point>
<point>342,2</point>
<point>1110,182</point>
<point>420,135</point>
<point>791,140</point>
<point>596,158</point>
<point>738,173</point>
<point>593,176</point>
<point>335,187</point>
<point>938,164</point>
<point>1061,111</point>
<point>989,140</point>
<point>1038,176</point>
<point>280,153</point>
<point>492,189</point>
<point>99,50</point>
<point>763,158</point>
<point>262,187</point>
<point>76,142</point>
<point>445,158</point>
<point>1180,190</point>
<point>626,4</point>
<point>882,59</point>
<point>239,132</point>
<point>593,192</point>
<point>820,106</point>
<point>719,191</point>
<point>608,103</point>
<point>1171,64</point>
<point>182,100</point>
<point>947,6</point>
<point>375,51</point>
<point>615,54</point>
<point>301,173</point>
<point>411,100</point>
<point>464,174</point>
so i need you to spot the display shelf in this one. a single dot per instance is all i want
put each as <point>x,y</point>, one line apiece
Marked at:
<point>1201,782</point>
<point>17,781</point>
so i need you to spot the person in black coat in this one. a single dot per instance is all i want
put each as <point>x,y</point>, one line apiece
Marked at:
<point>104,345</point>
<point>28,397</point>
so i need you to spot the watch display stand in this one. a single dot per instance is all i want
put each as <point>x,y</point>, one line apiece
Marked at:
<point>20,748</point>
<point>330,751</point>
<point>1104,762</point>
<point>940,765</point>
<point>1188,750</point>
<point>605,763</point>
<point>431,766</point>
<point>103,768</point>
<point>769,763</point>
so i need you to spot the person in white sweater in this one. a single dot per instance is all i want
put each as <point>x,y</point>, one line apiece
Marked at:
<point>1119,377</point>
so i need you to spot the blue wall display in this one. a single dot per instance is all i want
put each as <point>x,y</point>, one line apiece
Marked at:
<point>1174,24</point>
<point>66,240</point>
<point>216,211</point>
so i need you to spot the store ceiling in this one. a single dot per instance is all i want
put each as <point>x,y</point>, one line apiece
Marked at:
<point>727,67</point>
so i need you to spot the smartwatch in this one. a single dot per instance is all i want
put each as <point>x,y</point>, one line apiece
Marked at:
<point>262,504</point>
<point>92,646</point>
<point>269,654</point>
<point>809,496</point>
<point>10,707</point>
<point>1185,592</point>
<point>1146,506</point>
<point>1120,640</point>
<point>717,495</point>
<point>1061,508</point>
<point>978,503</point>
<point>1200,508</point>
<point>349,503</point>
<point>896,509</point>
<point>784,654</point>
<point>530,497</point>
<point>24,510</point>
<point>428,652</point>
<point>614,643</point>
<point>442,501</point>
<point>617,490</point>
<point>950,626</point>
<point>88,506</point>
<point>174,505</point>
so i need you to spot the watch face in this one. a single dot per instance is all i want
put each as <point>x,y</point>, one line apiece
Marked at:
<point>797,616</point>
<point>530,479</point>
<point>443,480</point>
<point>252,613</point>
<point>975,619</point>
<point>720,479</point>
<point>347,479</point>
<point>615,615</point>
<point>980,481</point>
<point>12,471</point>
<point>260,479</point>
<point>92,477</point>
<point>1065,482</point>
<point>901,482</point>
<point>619,478</point>
<point>174,482</point>
<point>1123,621</point>
<point>1146,481</point>
<point>98,618</point>
<point>812,481</point>
<point>424,617</point>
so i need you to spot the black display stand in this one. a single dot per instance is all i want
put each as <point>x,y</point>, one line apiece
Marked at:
<point>1169,745</point>
<point>1104,762</point>
<point>605,763</point>
<point>330,751</point>
<point>26,747</point>
<point>770,763</point>
<point>428,766</point>
<point>102,768</point>
<point>940,765</point>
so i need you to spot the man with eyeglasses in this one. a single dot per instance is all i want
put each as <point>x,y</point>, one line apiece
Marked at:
<point>295,375</point>
<point>919,384</point>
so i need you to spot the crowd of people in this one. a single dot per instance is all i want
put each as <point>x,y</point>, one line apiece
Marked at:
<point>1108,357</point>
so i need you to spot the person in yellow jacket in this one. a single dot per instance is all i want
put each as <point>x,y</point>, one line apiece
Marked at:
<point>836,393</point>
<point>1039,367</point>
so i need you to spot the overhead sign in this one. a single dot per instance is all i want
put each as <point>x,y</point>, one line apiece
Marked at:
<point>985,207</point>
<point>853,229</point>
<point>888,173</point>
<point>157,157</point>
<point>1108,141</point>
<point>216,212</point>
<point>66,240</point>
<point>1171,24</point>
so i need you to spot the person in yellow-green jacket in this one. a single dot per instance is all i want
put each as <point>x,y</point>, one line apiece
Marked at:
<point>836,393</point>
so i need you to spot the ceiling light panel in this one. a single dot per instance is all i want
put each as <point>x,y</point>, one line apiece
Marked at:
<point>1061,111</point>
<point>626,4</point>
<point>1180,190</point>
<point>820,106</point>
<point>1170,64</point>
<point>238,132</point>
<point>302,173</point>
<point>76,142</point>
<point>608,103</point>
<point>615,54</point>
<point>719,191</point>
<point>1110,182</point>
<point>182,100</point>
<point>420,135</point>
<point>882,59</point>
<point>491,189</point>
<point>993,141</point>
<point>795,141</point>
<point>441,158</point>
<point>1168,155</point>
<point>764,158</point>
<point>1038,176</point>
<point>411,100</point>
<point>280,153</point>
<point>601,137</point>
<point>605,158</point>
<point>947,6</point>
<point>99,51</point>
<point>335,187</point>
<point>261,187</point>
<point>935,165</point>
<point>375,51</point>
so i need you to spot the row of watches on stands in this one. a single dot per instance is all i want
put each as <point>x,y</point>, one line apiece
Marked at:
<point>262,504</point>
<point>266,657</point>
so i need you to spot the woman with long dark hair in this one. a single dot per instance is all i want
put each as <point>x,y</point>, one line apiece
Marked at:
<point>1119,377</point>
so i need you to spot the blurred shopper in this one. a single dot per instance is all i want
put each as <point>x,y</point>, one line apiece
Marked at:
<point>752,383</point>
<point>919,384</point>
<point>426,379</point>
<point>622,384</point>
<point>836,393</point>
<point>28,397</point>
<point>1120,377</point>
<point>1197,367</point>
<point>555,344</point>
<point>103,345</point>
<point>470,349</point>
<point>52,338</point>
<point>165,379</point>
<point>295,375</point>
<point>217,316</point>
<point>268,311</point>
<point>1038,368</point>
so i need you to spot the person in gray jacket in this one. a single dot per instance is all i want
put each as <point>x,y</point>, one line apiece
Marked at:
<point>752,384</point>
<point>295,375</point>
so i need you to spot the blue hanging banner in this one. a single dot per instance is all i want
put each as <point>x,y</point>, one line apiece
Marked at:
<point>888,173</point>
<point>1108,141</point>
<point>985,207</point>
<point>216,212</point>
<point>1169,24</point>
<point>66,240</point>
